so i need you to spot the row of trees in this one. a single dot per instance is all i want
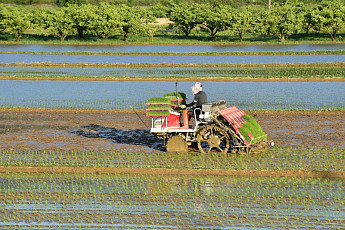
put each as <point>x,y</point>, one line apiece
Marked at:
<point>105,20</point>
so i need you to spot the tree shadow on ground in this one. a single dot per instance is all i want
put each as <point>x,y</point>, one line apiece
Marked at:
<point>141,137</point>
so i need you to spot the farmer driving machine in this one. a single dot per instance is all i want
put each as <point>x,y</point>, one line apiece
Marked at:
<point>212,128</point>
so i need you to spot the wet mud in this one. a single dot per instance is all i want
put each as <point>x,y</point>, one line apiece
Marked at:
<point>110,131</point>
<point>118,130</point>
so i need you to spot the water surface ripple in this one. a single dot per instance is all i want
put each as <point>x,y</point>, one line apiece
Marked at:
<point>170,59</point>
<point>123,94</point>
<point>167,48</point>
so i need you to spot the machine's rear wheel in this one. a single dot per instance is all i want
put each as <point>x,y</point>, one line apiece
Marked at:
<point>177,144</point>
<point>213,139</point>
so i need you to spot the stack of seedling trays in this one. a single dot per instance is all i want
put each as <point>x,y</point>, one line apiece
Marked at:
<point>251,130</point>
<point>158,107</point>
<point>177,98</point>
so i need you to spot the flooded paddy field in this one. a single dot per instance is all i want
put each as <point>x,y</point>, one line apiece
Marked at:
<point>134,94</point>
<point>308,194</point>
<point>53,137</point>
<point>148,73</point>
<point>170,59</point>
<point>128,180</point>
<point>88,201</point>
<point>169,48</point>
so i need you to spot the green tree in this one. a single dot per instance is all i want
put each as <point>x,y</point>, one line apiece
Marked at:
<point>2,18</point>
<point>62,3</point>
<point>159,11</point>
<point>131,20</point>
<point>105,20</point>
<point>147,23</point>
<point>186,17</point>
<point>57,22</point>
<point>16,20</point>
<point>130,3</point>
<point>284,19</point>
<point>215,18</point>
<point>333,17</point>
<point>81,17</point>
<point>313,20</point>
<point>242,20</point>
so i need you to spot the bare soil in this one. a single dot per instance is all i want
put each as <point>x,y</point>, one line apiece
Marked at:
<point>118,130</point>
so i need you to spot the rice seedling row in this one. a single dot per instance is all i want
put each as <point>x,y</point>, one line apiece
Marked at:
<point>171,59</point>
<point>278,158</point>
<point>172,48</point>
<point>314,52</point>
<point>319,72</point>
<point>124,94</point>
<point>66,201</point>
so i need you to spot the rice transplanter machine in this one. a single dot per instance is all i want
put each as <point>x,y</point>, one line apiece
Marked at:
<point>217,128</point>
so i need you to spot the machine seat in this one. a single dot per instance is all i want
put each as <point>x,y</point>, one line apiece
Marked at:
<point>214,106</point>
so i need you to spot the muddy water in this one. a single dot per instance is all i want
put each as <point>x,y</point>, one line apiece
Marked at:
<point>124,95</point>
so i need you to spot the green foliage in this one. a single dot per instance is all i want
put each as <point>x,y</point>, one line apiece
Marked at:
<point>130,3</point>
<point>242,20</point>
<point>132,20</point>
<point>285,19</point>
<point>313,20</point>
<point>159,11</point>
<point>15,19</point>
<point>333,17</point>
<point>2,18</point>
<point>57,22</point>
<point>62,3</point>
<point>216,18</point>
<point>105,20</point>
<point>147,22</point>
<point>186,16</point>
<point>81,17</point>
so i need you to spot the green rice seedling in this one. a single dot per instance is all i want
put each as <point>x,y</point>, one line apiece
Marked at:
<point>250,126</point>
<point>159,100</point>
<point>179,95</point>
<point>158,107</point>
<point>177,98</point>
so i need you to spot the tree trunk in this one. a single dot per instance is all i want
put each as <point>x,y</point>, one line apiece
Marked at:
<point>241,36</point>
<point>80,33</point>
<point>213,33</point>
<point>17,36</point>
<point>334,35</point>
